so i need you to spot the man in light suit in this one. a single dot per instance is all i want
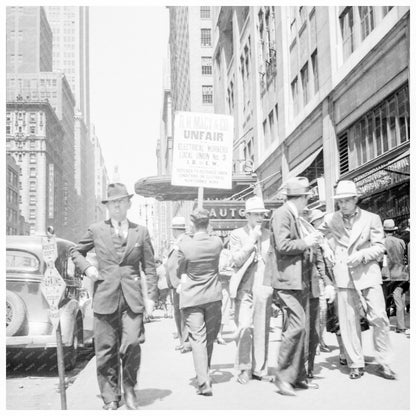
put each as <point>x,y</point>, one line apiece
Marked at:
<point>357,239</point>
<point>121,248</point>
<point>288,270</point>
<point>249,246</point>
<point>178,231</point>
<point>201,294</point>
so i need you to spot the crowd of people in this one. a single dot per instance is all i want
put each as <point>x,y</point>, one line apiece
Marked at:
<point>330,271</point>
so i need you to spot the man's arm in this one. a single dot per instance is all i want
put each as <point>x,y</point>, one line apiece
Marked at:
<point>78,252</point>
<point>240,252</point>
<point>375,252</point>
<point>281,222</point>
<point>148,265</point>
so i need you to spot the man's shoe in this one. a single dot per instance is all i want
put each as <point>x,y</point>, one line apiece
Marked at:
<point>111,406</point>
<point>221,341</point>
<point>342,360</point>
<point>285,388</point>
<point>243,377</point>
<point>186,348</point>
<point>310,374</point>
<point>179,348</point>
<point>356,373</point>
<point>267,378</point>
<point>130,398</point>
<point>324,348</point>
<point>204,390</point>
<point>400,331</point>
<point>386,372</point>
<point>305,384</point>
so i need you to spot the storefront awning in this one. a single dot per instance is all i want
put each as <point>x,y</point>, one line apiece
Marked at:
<point>297,170</point>
<point>160,187</point>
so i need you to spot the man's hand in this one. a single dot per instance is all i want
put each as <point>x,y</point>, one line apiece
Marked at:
<point>149,305</point>
<point>354,259</point>
<point>329,293</point>
<point>179,288</point>
<point>255,233</point>
<point>313,238</point>
<point>92,273</point>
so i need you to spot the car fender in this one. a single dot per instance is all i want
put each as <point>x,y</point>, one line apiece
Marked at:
<point>68,316</point>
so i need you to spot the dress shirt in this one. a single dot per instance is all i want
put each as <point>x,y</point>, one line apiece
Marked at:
<point>121,227</point>
<point>349,219</point>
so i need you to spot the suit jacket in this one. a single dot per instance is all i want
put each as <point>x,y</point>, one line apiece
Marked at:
<point>118,275</point>
<point>287,266</point>
<point>395,249</point>
<point>198,259</point>
<point>318,271</point>
<point>242,246</point>
<point>366,237</point>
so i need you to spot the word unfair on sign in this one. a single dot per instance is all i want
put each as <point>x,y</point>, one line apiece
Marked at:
<point>203,150</point>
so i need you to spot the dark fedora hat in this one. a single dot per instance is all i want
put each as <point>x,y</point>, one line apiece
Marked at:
<point>116,191</point>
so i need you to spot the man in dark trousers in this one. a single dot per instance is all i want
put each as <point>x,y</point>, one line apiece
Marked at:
<point>122,248</point>
<point>178,231</point>
<point>291,279</point>
<point>201,294</point>
<point>395,275</point>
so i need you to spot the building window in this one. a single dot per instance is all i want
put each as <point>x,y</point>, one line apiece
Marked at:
<point>272,125</point>
<point>32,200</point>
<point>304,74</point>
<point>32,186</point>
<point>347,30</point>
<point>205,12</point>
<point>207,94</point>
<point>32,172</point>
<point>33,158</point>
<point>32,117</point>
<point>367,20</point>
<point>206,62</point>
<point>230,97</point>
<point>386,9</point>
<point>32,129</point>
<point>249,150</point>
<point>206,37</point>
<point>314,61</point>
<point>295,98</point>
<point>302,15</point>
<point>8,129</point>
<point>32,214</point>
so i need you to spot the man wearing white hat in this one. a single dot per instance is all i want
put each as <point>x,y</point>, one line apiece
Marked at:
<point>289,271</point>
<point>357,239</point>
<point>395,275</point>
<point>249,246</point>
<point>178,231</point>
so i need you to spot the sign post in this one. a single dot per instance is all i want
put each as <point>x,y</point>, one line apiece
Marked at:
<point>53,287</point>
<point>202,151</point>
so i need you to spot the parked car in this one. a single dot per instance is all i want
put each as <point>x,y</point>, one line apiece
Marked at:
<point>27,311</point>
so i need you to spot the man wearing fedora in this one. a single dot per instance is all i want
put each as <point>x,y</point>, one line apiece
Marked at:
<point>395,274</point>
<point>249,246</point>
<point>288,271</point>
<point>178,231</point>
<point>357,239</point>
<point>119,301</point>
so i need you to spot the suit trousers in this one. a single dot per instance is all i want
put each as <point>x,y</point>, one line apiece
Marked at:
<point>179,319</point>
<point>252,318</point>
<point>312,331</point>
<point>117,338</point>
<point>291,358</point>
<point>203,323</point>
<point>349,323</point>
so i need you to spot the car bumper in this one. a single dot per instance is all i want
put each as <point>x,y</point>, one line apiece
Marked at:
<point>27,341</point>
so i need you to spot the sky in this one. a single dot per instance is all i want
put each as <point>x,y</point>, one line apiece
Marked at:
<point>128,47</point>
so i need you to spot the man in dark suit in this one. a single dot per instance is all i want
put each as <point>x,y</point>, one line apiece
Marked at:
<point>201,294</point>
<point>122,248</point>
<point>292,281</point>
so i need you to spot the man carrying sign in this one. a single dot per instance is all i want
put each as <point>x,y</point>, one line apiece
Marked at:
<point>119,300</point>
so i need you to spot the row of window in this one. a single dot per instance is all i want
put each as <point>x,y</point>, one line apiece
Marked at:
<point>206,38</point>
<point>20,129</point>
<point>380,130</point>
<point>12,178</point>
<point>12,197</point>
<point>270,126</point>
<point>12,216</point>
<point>205,12</point>
<point>207,94</point>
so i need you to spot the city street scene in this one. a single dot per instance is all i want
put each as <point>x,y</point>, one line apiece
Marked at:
<point>208,208</point>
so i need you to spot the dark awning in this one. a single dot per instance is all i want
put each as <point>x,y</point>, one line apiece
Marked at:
<point>160,187</point>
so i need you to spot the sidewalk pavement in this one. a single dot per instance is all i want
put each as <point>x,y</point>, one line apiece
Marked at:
<point>166,378</point>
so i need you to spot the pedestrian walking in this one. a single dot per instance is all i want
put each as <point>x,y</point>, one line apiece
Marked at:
<point>357,239</point>
<point>395,273</point>
<point>178,227</point>
<point>121,248</point>
<point>200,294</point>
<point>288,270</point>
<point>249,246</point>
<point>164,298</point>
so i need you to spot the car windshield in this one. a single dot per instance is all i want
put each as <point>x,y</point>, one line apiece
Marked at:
<point>21,261</point>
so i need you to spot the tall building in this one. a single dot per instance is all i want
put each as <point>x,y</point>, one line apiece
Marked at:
<point>34,138</point>
<point>320,92</point>
<point>28,40</point>
<point>70,27</point>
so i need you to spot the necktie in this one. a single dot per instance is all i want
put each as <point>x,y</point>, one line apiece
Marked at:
<point>120,232</point>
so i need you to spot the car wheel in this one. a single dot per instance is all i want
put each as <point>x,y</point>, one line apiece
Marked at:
<point>71,352</point>
<point>15,313</point>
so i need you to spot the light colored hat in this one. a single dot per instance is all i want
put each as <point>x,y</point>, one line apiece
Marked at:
<point>389,225</point>
<point>116,191</point>
<point>178,223</point>
<point>345,189</point>
<point>316,214</point>
<point>255,204</point>
<point>297,186</point>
